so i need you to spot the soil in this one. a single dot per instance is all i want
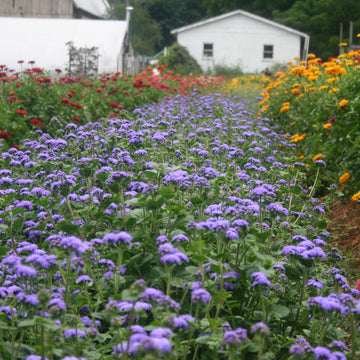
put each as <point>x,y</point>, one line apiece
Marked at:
<point>344,228</point>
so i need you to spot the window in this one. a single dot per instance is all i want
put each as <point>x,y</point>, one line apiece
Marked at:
<point>268,51</point>
<point>208,50</point>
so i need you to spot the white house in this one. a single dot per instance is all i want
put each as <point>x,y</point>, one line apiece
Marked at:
<point>241,39</point>
<point>44,40</point>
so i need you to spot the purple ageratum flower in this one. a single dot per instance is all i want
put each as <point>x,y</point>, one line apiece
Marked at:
<point>321,352</point>
<point>262,190</point>
<point>161,332</point>
<point>181,321</point>
<point>121,237</point>
<point>74,332</point>
<point>261,327</point>
<point>240,223</point>
<point>235,337</point>
<point>278,208</point>
<point>25,204</point>
<point>232,234</point>
<point>32,299</point>
<point>313,282</point>
<point>35,357</point>
<point>328,303</point>
<point>171,254</point>
<point>72,242</point>
<point>297,350</point>
<point>180,238</point>
<point>180,177</point>
<point>200,295</point>
<point>84,278</point>
<point>260,279</point>
<point>26,271</point>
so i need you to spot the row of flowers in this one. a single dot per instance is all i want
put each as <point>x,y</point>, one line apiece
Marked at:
<point>316,103</point>
<point>182,230</point>
<point>30,98</point>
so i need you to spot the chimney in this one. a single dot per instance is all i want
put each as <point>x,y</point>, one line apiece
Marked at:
<point>129,9</point>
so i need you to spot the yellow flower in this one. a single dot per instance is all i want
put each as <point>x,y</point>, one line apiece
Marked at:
<point>343,44</point>
<point>298,57</point>
<point>293,123</point>
<point>323,87</point>
<point>311,56</point>
<point>327,125</point>
<point>343,102</point>
<point>356,196</point>
<point>358,35</point>
<point>344,178</point>
<point>284,108</point>
<point>331,80</point>
<point>317,157</point>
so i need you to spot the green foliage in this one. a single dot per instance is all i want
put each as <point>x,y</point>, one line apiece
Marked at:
<point>179,60</point>
<point>230,71</point>
<point>322,102</point>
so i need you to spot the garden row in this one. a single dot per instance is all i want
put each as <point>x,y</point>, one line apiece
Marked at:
<point>29,99</point>
<point>318,105</point>
<point>180,231</point>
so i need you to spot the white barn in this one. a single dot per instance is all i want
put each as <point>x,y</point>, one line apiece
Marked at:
<point>241,39</point>
<point>44,39</point>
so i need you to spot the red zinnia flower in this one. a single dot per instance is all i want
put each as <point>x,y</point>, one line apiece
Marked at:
<point>21,112</point>
<point>4,135</point>
<point>76,119</point>
<point>16,147</point>
<point>65,101</point>
<point>36,122</point>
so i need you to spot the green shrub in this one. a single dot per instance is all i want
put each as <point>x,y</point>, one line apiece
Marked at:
<point>180,61</point>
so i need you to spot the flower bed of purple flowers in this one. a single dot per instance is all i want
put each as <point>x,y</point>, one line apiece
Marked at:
<point>181,231</point>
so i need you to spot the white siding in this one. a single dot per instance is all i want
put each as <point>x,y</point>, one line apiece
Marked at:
<point>44,41</point>
<point>239,41</point>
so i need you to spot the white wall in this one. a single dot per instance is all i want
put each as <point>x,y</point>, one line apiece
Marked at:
<point>44,41</point>
<point>239,41</point>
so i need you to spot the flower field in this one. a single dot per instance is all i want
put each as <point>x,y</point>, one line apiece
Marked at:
<point>317,104</point>
<point>184,229</point>
<point>31,99</point>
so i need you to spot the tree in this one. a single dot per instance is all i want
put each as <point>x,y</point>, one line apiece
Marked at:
<point>146,32</point>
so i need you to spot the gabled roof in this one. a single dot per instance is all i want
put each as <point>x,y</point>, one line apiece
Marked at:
<point>98,8</point>
<point>238,12</point>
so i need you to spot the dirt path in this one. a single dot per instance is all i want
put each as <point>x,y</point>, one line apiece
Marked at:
<point>344,227</point>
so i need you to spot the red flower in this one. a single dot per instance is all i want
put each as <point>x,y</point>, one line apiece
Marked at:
<point>358,284</point>
<point>113,104</point>
<point>75,105</point>
<point>65,101</point>
<point>76,119</point>
<point>4,135</point>
<point>98,90</point>
<point>16,147</point>
<point>36,122</point>
<point>21,112</point>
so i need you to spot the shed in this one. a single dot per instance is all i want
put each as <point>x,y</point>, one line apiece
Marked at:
<point>79,9</point>
<point>44,40</point>
<point>241,39</point>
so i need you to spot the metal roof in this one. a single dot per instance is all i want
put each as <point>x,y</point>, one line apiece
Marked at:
<point>98,8</point>
<point>44,41</point>
<point>238,12</point>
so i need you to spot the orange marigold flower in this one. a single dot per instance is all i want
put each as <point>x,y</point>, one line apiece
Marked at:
<point>343,102</point>
<point>356,196</point>
<point>344,178</point>
<point>284,108</point>
<point>317,157</point>
<point>327,125</point>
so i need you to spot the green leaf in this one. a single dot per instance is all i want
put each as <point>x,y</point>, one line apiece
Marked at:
<point>280,310</point>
